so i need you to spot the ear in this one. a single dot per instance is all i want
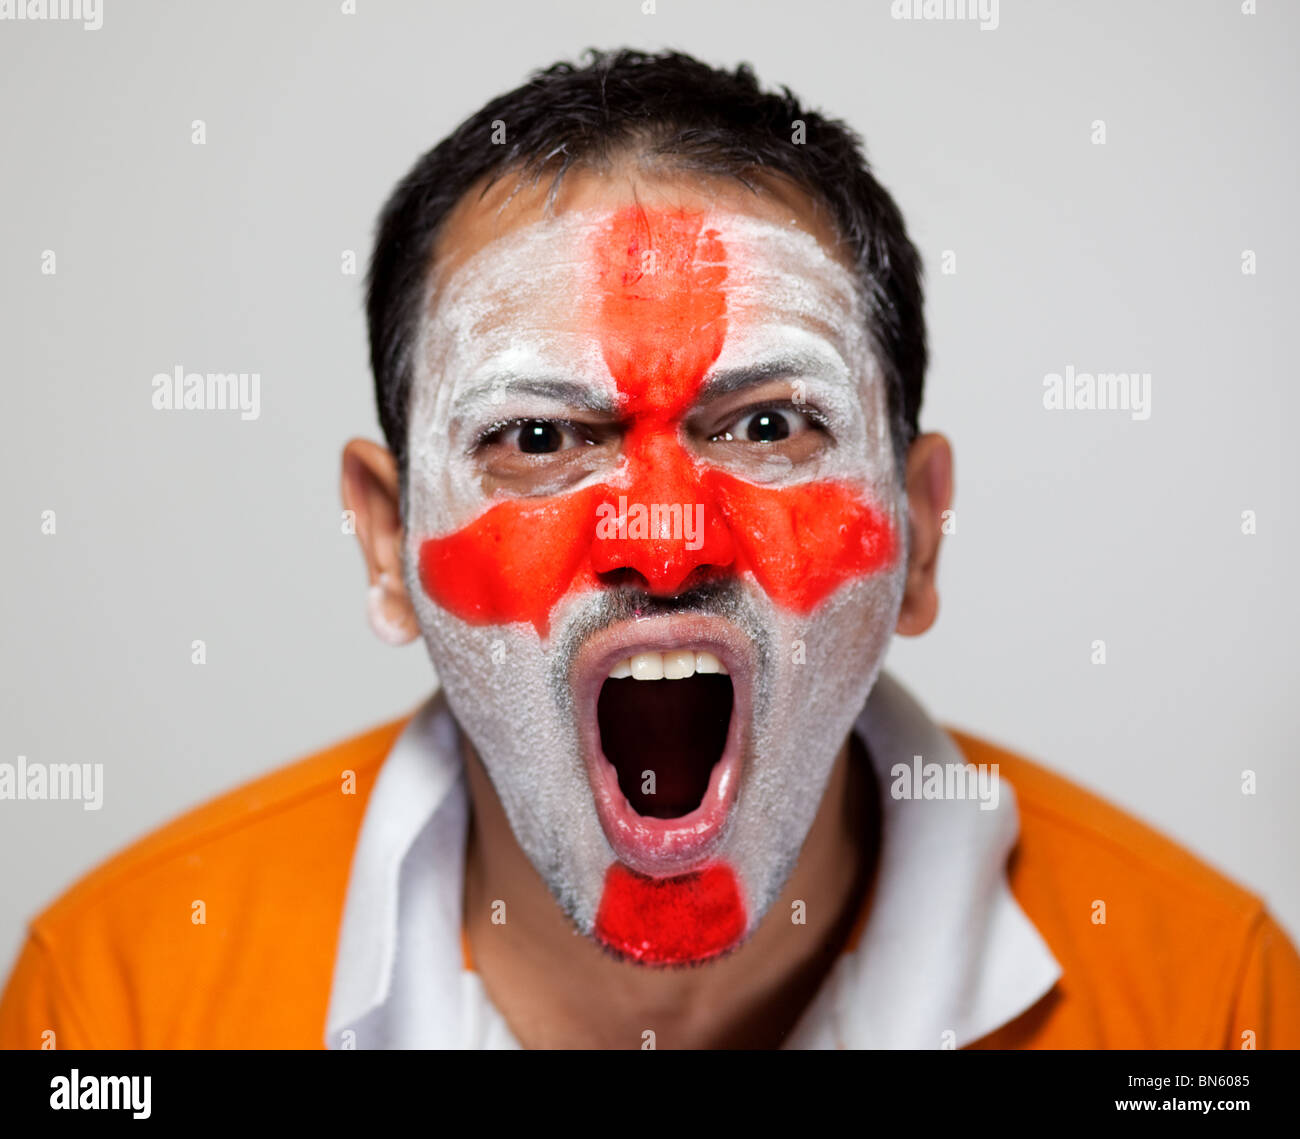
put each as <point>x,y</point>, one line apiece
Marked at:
<point>928,480</point>
<point>372,492</point>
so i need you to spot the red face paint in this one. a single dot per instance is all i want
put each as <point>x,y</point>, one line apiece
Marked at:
<point>803,542</point>
<point>667,921</point>
<point>662,319</point>
<point>660,308</point>
<point>514,562</point>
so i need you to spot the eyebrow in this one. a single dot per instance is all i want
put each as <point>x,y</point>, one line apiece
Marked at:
<point>737,379</point>
<point>567,392</point>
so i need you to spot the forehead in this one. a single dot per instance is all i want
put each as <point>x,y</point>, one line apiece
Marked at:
<point>520,273</point>
<point>488,213</point>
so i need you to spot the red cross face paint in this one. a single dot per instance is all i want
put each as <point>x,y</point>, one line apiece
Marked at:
<point>655,534</point>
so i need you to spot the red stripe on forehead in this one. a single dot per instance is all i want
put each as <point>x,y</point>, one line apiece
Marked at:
<point>660,276</point>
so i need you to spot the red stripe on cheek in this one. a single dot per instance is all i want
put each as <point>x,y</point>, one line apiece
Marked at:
<point>667,921</point>
<point>803,542</point>
<point>514,562</point>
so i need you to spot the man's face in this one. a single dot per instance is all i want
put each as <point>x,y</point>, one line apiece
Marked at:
<point>654,535</point>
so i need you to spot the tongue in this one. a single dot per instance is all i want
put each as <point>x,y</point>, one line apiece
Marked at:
<point>663,738</point>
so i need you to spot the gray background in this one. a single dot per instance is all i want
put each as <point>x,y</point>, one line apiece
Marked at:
<point>226,257</point>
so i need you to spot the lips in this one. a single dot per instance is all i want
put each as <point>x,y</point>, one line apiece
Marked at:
<point>663,720</point>
<point>663,708</point>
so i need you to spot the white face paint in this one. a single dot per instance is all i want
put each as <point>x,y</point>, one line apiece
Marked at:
<point>515,333</point>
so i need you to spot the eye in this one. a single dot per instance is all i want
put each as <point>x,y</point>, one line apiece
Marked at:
<point>539,437</point>
<point>536,436</point>
<point>766,425</point>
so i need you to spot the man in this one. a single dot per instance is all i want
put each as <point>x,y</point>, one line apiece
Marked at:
<point>649,349</point>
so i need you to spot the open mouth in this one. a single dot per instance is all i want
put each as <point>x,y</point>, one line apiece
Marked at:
<point>663,720</point>
<point>663,708</point>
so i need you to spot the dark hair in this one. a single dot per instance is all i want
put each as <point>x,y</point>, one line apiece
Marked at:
<point>665,105</point>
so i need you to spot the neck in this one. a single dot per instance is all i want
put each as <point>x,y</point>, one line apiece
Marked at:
<point>556,990</point>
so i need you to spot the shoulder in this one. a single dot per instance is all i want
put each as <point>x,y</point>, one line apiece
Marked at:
<point>1083,834</point>
<point>220,926</point>
<point>306,804</point>
<point>1153,941</point>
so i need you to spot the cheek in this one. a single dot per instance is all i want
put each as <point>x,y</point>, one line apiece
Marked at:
<point>803,542</point>
<point>514,562</point>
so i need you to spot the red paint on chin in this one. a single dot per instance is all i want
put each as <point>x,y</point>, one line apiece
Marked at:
<point>662,320</point>
<point>670,921</point>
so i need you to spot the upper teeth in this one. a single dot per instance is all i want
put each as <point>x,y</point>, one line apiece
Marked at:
<point>676,664</point>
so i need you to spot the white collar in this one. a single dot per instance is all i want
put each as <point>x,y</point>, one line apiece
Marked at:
<point>946,956</point>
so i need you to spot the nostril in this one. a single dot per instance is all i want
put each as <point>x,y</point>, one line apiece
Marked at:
<point>624,576</point>
<point>666,584</point>
<point>703,575</point>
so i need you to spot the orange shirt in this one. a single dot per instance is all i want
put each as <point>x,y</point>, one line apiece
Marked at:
<point>1185,958</point>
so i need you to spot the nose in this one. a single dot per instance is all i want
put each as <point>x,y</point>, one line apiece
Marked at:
<point>666,529</point>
